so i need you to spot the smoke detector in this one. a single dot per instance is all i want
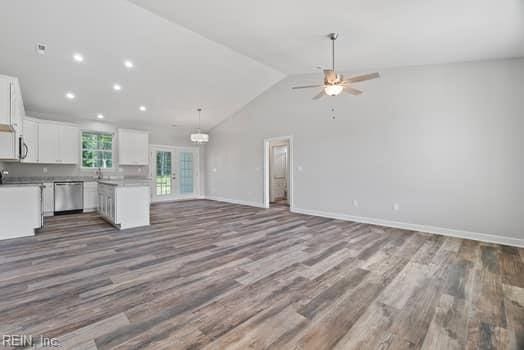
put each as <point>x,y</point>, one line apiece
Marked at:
<point>41,48</point>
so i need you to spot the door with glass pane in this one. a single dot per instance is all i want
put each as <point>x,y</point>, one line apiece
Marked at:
<point>163,173</point>
<point>187,175</point>
<point>174,171</point>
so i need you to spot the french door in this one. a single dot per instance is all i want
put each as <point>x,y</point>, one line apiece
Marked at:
<point>174,171</point>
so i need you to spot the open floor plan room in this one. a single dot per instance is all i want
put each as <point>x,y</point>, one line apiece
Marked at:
<point>264,175</point>
<point>213,275</point>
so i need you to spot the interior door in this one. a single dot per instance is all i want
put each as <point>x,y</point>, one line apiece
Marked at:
<point>163,173</point>
<point>279,172</point>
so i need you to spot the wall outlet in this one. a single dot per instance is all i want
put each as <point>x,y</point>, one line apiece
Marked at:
<point>120,170</point>
<point>299,168</point>
<point>44,170</point>
<point>214,170</point>
<point>355,203</point>
<point>396,207</point>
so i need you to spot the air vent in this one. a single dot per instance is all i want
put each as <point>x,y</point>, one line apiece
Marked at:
<point>41,48</point>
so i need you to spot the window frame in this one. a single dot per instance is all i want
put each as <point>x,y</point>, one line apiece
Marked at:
<point>112,134</point>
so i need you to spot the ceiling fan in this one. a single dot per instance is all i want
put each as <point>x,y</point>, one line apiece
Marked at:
<point>335,83</point>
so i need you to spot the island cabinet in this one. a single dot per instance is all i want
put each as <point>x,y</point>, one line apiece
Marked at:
<point>124,205</point>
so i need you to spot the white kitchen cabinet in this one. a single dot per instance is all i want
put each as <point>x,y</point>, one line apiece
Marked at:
<point>30,133</point>
<point>124,206</point>
<point>48,199</point>
<point>133,147</point>
<point>90,196</point>
<point>58,143</point>
<point>8,100</point>
<point>47,143</point>
<point>11,116</point>
<point>20,210</point>
<point>69,144</point>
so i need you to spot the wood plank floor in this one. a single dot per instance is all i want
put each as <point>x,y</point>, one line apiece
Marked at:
<point>211,275</point>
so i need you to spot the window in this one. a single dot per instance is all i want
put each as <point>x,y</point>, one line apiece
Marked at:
<point>97,150</point>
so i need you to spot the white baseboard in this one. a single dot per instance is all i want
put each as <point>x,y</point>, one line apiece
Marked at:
<point>483,237</point>
<point>236,201</point>
<point>167,200</point>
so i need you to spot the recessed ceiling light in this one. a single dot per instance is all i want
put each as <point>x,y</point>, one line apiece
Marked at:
<point>100,116</point>
<point>142,108</point>
<point>70,95</point>
<point>129,64</point>
<point>78,57</point>
<point>117,87</point>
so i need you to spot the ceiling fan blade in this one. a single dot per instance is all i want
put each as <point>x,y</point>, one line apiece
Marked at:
<point>352,91</point>
<point>319,95</point>
<point>306,86</point>
<point>362,78</point>
<point>330,75</point>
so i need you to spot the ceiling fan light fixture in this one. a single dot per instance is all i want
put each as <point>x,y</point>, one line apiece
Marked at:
<point>333,90</point>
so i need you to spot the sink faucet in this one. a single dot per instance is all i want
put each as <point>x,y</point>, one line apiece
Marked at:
<point>3,173</point>
<point>99,173</point>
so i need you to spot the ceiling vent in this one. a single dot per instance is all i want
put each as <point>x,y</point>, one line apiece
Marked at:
<point>41,48</point>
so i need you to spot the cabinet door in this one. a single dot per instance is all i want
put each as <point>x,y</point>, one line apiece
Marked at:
<point>133,147</point>
<point>31,140</point>
<point>48,198</point>
<point>48,143</point>
<point>6,87</point>
<point>69,144</point>
<point>90,195</point>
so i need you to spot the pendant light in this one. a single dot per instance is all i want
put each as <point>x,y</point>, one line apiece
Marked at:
<point>199,137</point>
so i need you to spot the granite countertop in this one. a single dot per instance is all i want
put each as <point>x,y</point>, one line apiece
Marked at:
<point>11,185</point>
<point>39,180</point>
<point>127,182</point>
<point>44,179</point>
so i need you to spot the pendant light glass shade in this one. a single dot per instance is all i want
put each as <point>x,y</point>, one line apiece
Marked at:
<point>199,136</point>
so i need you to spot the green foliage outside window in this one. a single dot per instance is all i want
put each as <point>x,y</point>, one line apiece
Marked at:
<point>97,150</point>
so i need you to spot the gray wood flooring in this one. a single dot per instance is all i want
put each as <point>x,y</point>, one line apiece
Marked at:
<point>211,275</point>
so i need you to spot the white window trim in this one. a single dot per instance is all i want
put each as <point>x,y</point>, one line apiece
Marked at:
<point>82,167</point>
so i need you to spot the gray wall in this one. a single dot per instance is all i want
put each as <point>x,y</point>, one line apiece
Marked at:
<point>445,142</point>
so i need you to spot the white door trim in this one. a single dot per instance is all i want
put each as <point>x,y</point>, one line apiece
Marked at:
<point>291,180</point>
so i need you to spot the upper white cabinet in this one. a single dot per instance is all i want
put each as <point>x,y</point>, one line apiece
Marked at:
<point>133,147</point>
<point>58,143</point>
<point>11,116</point>
<point>30,132</point>
<point>11,104</point>
<point>69,144</point>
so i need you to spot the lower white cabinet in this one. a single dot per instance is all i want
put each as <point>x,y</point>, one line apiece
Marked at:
<point>124,206</point>
<point>90,196</point>
<point>48,199</point>
<point>106,202</point>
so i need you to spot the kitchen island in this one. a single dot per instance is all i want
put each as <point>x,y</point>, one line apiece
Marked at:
<point>20,210</point>
<point>124,203</point>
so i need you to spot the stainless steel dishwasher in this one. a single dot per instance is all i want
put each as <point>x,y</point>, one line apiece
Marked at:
<point>69,197</point>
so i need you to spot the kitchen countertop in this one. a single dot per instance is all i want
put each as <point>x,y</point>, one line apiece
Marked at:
<point>126,182</point>
<point>11,185</point>
<point>39,180</point>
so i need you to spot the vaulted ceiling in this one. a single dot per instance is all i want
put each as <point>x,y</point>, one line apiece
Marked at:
<point>222,54</point>
<point>175,69</point>
<point>290,35</point>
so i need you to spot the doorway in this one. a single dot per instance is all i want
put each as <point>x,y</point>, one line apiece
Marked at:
<point>278,160</point>
<point>175,173</point>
